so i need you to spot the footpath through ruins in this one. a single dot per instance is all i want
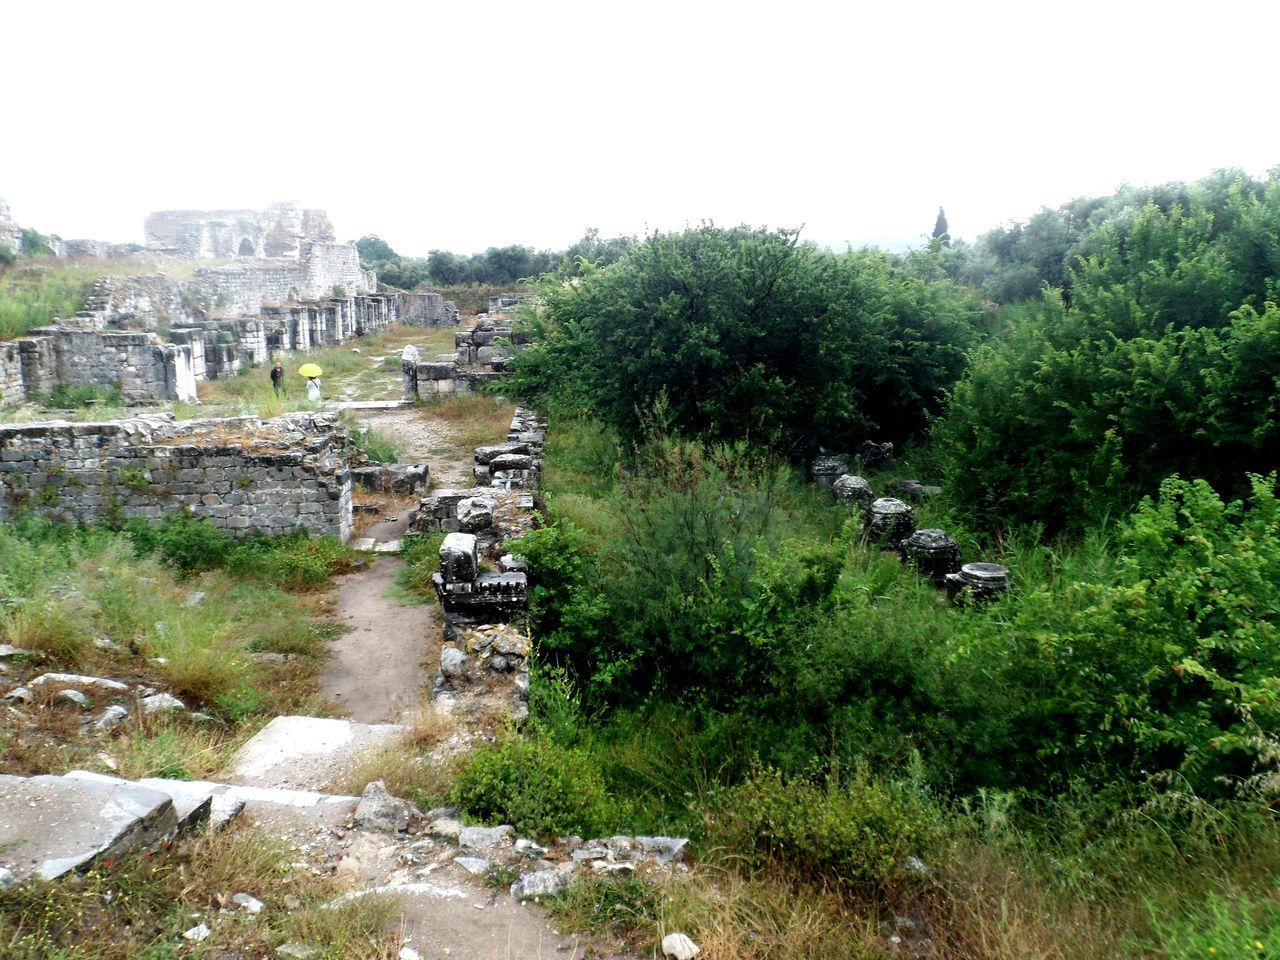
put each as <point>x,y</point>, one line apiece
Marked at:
<point>461,666</point>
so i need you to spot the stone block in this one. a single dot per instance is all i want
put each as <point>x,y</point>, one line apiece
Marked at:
<point>459,562</point>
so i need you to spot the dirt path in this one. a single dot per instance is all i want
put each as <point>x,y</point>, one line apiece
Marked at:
<point>423,439</point>
<point>379,666</point>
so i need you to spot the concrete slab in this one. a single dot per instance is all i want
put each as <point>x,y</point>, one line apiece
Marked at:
<point>305,753</point>
<point>53,825</point>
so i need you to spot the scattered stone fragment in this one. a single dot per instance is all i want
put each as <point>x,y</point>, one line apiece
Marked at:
<point>7,879</point>
<point>540,883</point>
<point>445,827</point>
<point>379,810</point>
<point>527,848</point>
<point>248,903</point>
<point>408,953</point>
<point>296,951</point>
<point>111,717</point>
<point>917,867</point>
<point>76,680</point>
<point>664,849</point>
<point>160,703</point>
<point>74,696</point>
<point>474,865</point>
<point>453,662</point>
<point>478,838</point>
<point>195,599</point>
<point>196,934</point>
<point>8,650</point>
<point>590,853</point>
<point>19,695</point>
<point>679,946</point>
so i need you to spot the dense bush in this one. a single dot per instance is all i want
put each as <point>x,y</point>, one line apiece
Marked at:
<point>538,787</point>
<point>849,833</point>
<point>1166,669</point>
<point>748,334</point>
<point>1062,424</point>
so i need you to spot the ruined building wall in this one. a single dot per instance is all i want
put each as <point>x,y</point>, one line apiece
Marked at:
<point>10,232</point>
<point>12,389</point>
<point>243,474</point>
<point>282,230</point>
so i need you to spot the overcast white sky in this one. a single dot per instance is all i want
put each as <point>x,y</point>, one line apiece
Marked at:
<point>468,124</point>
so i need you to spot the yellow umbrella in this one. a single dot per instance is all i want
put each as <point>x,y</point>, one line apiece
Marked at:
<point>310,370</point>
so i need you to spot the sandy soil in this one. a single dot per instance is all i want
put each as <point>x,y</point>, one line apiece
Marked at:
<point>380,665</point>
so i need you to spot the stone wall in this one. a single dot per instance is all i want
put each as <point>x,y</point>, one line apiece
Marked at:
<point>480,357</point>
<point>10,232</point>
<point>282,230</point>
<point>11,390</point>
<point>141,368</point>
<point>244,474</point>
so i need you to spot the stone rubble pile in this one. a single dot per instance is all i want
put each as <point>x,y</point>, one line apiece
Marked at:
<point>890,523</point>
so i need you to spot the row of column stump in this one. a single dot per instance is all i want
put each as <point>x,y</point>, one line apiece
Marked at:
<point>890,523</point>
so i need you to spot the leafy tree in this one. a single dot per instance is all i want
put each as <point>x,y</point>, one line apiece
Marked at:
<point>940,230</point>
<point>747,333</point>
<point>374,252</point>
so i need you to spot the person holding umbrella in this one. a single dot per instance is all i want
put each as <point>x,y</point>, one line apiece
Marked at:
<point>312,372</point>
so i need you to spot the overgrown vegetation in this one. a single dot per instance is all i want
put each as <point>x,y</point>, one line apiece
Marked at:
<point>229,627</point>
<point>1085,767</point>
<point>139,906</point>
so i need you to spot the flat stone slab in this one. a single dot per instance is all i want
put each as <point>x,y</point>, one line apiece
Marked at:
<point>50,825</point>
<point>373,404</point>
<point>304,753</point>
<point>190,806</point>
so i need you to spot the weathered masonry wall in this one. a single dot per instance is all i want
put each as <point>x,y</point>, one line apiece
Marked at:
<point>244,474</point>
<point>147,370</point>
<point>480,357</point>
<point>282,230</point>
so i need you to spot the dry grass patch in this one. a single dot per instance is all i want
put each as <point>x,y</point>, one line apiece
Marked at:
<point>139,906</point>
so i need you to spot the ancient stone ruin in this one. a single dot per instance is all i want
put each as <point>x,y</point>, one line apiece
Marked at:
<point>480,357</point>
<point>278,476</point>
<point>889,522</point>
<point>282,230</point>
<point>152,338</point>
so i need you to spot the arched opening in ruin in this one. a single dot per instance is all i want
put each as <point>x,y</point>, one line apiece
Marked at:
<point>246,248</point>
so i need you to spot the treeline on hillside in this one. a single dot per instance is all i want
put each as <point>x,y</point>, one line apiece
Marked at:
<point>496,266</point>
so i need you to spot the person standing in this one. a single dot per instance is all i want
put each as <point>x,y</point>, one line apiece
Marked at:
<point>277,378</point>
<point>313,389</point>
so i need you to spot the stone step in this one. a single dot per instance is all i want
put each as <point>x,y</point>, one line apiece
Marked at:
<point>51,825</point>
<point>304,753</point>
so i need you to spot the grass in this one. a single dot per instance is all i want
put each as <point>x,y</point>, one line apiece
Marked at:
<point>409,767</point>
<point>138,907</point>
<point>85,601</point>
<point>367,368</point>
<point>474,419</point>
<point>36,291</point>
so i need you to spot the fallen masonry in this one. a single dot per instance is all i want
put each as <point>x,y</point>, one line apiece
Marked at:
<point>890,523</point>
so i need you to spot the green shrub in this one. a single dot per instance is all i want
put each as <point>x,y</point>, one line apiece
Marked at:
<point>375,445</point>
<point>536,786</point>
<point>1167,669</point>
<point>850,833</point>
<point>191,544</point>
<point>421,559</point>
<point>1221,928</point>
<point>293,562</point>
